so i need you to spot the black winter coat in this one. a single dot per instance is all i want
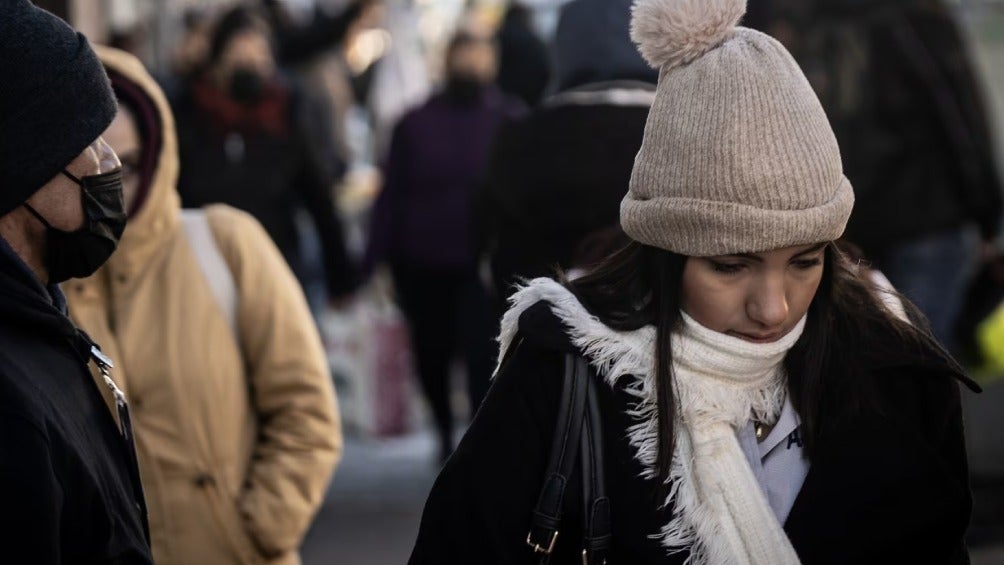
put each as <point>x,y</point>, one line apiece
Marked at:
<point>906,105</point>
<point>69,485</point>
<point>887,487</point>
<point>267,175</point>
<point>557,177</point>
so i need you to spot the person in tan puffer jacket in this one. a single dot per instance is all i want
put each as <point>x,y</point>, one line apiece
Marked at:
<point>235,417</point>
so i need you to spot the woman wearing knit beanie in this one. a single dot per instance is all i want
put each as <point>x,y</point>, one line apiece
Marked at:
<point>757,401</point>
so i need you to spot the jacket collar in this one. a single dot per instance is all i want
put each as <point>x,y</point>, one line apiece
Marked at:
<point>26,302</point>
<point>623,93</point>
<point>614,354</point>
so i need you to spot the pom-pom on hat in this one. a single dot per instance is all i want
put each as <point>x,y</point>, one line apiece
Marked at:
<point>670,33</point>
<point>738,156</point>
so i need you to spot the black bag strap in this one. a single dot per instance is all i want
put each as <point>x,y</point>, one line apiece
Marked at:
<point>579,427</point>
<point>546,517</point>
<point>596,505</point>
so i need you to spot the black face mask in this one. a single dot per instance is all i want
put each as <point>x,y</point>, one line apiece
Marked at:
<point>78,253</point>
<point>464,90</point>
<point>247,87</point>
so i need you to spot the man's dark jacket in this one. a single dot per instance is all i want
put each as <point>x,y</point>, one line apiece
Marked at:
<point>69,484</point>
<point>557,177</point>
<point>887,486</point>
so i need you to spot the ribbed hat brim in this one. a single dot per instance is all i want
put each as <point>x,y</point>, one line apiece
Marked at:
<point>703,228</point>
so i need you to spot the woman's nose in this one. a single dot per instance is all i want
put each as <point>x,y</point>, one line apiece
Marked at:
<point>767,304</point>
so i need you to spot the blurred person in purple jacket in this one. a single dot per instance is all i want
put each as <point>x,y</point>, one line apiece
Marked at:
<point>422,223</point>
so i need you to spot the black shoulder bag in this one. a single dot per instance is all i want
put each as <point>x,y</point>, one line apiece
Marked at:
<point>576,433</point>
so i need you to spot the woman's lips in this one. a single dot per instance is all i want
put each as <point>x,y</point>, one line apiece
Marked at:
<point>758,338</point>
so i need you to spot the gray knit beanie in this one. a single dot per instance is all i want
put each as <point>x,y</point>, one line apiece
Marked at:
<point>738,156</point>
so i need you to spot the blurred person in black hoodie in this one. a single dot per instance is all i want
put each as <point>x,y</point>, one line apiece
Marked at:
<point>244,140</point>
<point>556,179</point>
<point>524,63</point>
<point>901,92</point>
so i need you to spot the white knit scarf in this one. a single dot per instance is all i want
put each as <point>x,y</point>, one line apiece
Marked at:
<point>719,511</point>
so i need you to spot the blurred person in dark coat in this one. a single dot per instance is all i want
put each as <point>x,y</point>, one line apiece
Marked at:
<point>310,50</point>
<point>244,140</point>
<point>524,63</point>
<point>556,179</point>
<point>189,54</point>
<point>422,223</point>
<point>297,44</point>
<point>900,88</point>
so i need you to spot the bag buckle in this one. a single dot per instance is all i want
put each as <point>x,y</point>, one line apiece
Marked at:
<point>537,548</point>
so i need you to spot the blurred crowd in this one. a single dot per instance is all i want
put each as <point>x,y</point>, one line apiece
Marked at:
<point>283,165</point>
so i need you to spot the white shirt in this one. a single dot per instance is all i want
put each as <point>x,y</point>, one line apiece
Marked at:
<point>778,462</point>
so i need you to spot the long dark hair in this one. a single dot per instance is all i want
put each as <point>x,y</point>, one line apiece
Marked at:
<point>640,286</point>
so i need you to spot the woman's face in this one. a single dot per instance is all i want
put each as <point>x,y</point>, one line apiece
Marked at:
<point>476,60</point>
<point>758,297</point>
<point>248,50</point>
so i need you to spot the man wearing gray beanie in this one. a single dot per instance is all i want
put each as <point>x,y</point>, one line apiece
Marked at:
<point>69,481</point>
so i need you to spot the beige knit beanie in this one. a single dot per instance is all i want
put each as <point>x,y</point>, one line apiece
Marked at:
<point>738,156</point>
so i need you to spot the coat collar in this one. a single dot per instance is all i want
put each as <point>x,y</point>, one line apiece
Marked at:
<point>614,93</point>
<point>25,301</point>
